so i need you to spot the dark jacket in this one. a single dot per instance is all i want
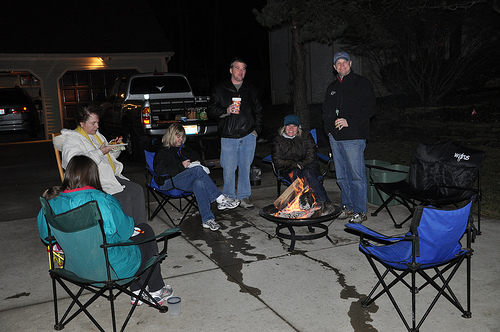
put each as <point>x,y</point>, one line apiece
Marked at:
<point>236,125</point>
<point>355,100</point>
<point>169,161</point>
<point>288,152</point>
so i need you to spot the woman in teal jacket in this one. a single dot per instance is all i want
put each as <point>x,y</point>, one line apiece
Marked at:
<point>81,185</point>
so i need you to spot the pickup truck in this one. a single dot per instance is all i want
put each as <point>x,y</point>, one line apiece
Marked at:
<point>140,107</point>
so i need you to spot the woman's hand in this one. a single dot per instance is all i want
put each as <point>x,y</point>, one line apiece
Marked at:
<point>105,149</point>
<point>186,163</point>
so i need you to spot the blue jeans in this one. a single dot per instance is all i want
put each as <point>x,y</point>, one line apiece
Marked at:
<point>311,177</point>
<point>349,158</point>
<point>237,153</point>
<point>195,180</point>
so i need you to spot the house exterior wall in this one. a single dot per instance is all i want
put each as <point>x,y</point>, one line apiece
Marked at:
<point>279,49</point>
<point>319,67</point>
<point>50,68</point>
<point>319,71</point>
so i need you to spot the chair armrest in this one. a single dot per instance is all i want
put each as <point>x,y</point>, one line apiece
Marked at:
<point>161,235</point>
<point>363,230</point>
<point>459,188</point>
<point>267,159</point>
<point>153,173</point>
<point>324,158</point>
<point>382,168</point>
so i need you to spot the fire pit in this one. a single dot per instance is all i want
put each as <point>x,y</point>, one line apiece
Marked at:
<point>329,212</point>
<point>296,207</point>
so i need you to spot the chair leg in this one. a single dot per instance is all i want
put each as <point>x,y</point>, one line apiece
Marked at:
<point>112,305</point>
<point>56,313</point>
<point>386,289</point>
<point>468,313</point>
<point>187,209</point>
<point>478,232</point>
<point>413,299</point>
<point>82,307</point>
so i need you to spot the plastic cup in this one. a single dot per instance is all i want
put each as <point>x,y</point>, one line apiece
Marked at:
<point>237,102</point>
<point>174,306</point>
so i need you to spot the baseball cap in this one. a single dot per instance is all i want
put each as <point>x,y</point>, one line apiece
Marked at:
<point>341,55</point>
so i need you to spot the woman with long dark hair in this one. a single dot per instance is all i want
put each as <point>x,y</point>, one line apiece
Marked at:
<point>81,184</point>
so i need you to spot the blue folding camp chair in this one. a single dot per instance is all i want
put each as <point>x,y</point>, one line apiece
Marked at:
<point>80,233</point>
<point>431,250</point>
<point>280,179</point>
<point>165,196</point>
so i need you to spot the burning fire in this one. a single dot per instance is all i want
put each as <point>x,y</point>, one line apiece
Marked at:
<point>297,202</point>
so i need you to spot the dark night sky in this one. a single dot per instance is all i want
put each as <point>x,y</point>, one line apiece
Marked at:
<point>206,35</point>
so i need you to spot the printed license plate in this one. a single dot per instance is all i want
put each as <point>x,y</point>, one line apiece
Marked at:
<point>191,130</point>
<point>2,111</point>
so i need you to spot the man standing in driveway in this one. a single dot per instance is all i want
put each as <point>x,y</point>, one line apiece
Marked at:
<point>238,127</point>
<point>349,105</point>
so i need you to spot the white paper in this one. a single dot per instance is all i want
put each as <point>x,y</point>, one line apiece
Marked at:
<point>197,163</point>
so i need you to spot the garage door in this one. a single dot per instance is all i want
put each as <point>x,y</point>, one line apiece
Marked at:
<point>79,87</point>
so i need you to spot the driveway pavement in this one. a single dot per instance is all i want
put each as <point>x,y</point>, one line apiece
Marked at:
<point>241,278</point>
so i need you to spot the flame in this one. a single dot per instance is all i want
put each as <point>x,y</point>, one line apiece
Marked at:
<point>294,207</point>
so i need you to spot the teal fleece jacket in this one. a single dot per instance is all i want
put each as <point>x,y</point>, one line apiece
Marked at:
<point>118,227</point>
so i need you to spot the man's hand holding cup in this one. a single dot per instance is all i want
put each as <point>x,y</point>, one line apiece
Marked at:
<point>235,106</point>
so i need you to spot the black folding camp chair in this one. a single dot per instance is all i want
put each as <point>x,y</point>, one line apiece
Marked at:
<point>80,234</point>
<point>164,197</point>
<point>430,250</point>
<point>281,179</point>
<point>440,175</point>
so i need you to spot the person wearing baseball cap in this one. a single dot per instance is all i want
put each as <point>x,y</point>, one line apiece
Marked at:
<point>341,55</point>
<point>294,156</point>
<point>349,104</point>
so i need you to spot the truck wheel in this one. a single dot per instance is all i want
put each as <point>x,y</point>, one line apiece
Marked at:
<point>133,150</point>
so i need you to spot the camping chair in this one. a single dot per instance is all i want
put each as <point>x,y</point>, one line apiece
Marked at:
<point>58,157</point>
<point>165,196</point>
<point>80,233</point>
<point>440,175</point>
<point>280,177</point>
<point>431,250</point>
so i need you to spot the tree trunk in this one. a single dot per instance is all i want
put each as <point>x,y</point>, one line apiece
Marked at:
<point>299,87</point>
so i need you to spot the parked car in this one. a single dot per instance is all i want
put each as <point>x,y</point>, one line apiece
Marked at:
<point>18,111</point>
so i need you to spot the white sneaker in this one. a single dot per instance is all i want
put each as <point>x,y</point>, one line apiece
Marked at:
<point>227,203</point>
<point>132,298</point>
<point>246,204</point>
<point>358,218</point>
<point>211,224</point>
<point>162,294</point>
<point>346,213</point>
